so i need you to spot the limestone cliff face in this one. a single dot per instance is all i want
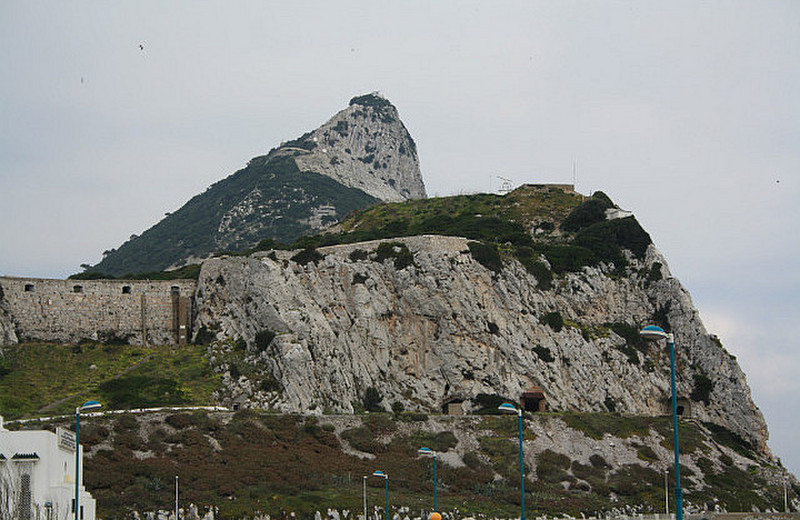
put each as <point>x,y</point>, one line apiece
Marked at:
<point>445,328</point>
<point>366,146</point>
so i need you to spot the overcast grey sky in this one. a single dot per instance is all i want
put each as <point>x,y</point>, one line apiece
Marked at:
<point>686,113</point>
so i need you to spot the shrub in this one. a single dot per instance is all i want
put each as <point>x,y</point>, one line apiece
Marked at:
<point>703,386</point>
<point>590,212</point>
<point>372,400</point>
<point>398,251</point>
<point>307,255</point>
<point>544,354</point>
<point>655,272</point>
<point>141,391</point>
<point>263,339</point>
<point>358,254</point>
<point>605,239</point>
<point>488,403</point>
<point>552,467</point>
<point>553,320</point>
<point>543,274</point>
<point>204,336</point>
<point>486,255</point>
<point>567,258</point>
<point>179,421</point>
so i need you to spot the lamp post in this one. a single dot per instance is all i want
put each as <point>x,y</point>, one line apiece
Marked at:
<point>666,491</point>
<point>430,453</point>
<point>510,408</point>
<point>88,405</point>
<point>656,333</point>
<point>364,481</point>
<point>381,474</point>
<point>176,497</point>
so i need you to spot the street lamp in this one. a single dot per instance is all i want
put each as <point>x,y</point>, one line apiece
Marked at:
<point>430,453</point>
<point>381,474</point>
<point>657,333</point>
<point>364,481</point>
<point>88,405</point>
<point>510,408</point>
<point>176,497</point>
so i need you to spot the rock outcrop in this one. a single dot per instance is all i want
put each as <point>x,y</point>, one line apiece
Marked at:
<point>366,146</point>
<point>444,328</point>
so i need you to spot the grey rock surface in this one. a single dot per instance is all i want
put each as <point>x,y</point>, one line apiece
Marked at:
<point>447,329</point>
<point>367,146</point>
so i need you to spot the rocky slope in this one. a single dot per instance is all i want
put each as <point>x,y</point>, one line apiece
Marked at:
<point>361,156</point>
<point>445,328</point>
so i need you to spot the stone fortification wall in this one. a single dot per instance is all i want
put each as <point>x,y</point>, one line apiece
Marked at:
<point>137,311</point>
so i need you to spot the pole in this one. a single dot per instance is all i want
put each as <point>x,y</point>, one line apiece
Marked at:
<point>176,497</point>
<point>666,492</point>
<point>521,469</point>
<point>77,457</point>
<point>785,495</point>
<point>434,482</point>
<point>365,496</point>
<point>387,497</point>
<point>678,494</point>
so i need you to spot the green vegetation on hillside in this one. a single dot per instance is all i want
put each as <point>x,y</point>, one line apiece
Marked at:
<point>529,223</point>
<point>252,462</point>
<point>45,379</point>
<point>279,201</point>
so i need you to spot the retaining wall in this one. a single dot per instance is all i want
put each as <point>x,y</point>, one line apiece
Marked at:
<point>137,311</point>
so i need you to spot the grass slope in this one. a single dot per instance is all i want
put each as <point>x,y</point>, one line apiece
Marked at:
<point>45,379</point>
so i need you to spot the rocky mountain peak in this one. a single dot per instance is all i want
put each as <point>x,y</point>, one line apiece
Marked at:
<point>362,155</point>
<point>365,146</point>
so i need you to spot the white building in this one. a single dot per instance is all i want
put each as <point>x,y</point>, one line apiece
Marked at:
<point>37,476</point>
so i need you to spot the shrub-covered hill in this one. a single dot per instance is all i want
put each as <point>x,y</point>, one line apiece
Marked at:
<point>570,230</point>
<point>361,155</point>
<point>270,198</point>
<point>248,462</point>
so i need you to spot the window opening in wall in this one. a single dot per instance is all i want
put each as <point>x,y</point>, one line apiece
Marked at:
<point>28,287</point>
<point>126,289</point>
<point>25,497</point>
<point>77,289</point>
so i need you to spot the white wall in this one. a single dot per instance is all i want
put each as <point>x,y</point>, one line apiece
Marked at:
<point>52,476</point>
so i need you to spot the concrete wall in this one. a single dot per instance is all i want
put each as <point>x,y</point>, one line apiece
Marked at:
<point>139,311</point>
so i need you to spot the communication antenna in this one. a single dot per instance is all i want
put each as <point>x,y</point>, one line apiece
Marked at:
<point>505,186</point>
<point>574,173</point>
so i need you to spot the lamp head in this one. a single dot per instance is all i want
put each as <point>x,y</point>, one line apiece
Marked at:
<point>508,408</point>
<point>89,405</point>
<point>653,332</point>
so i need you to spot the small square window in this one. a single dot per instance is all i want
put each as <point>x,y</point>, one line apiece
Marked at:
<point>126,289</point>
